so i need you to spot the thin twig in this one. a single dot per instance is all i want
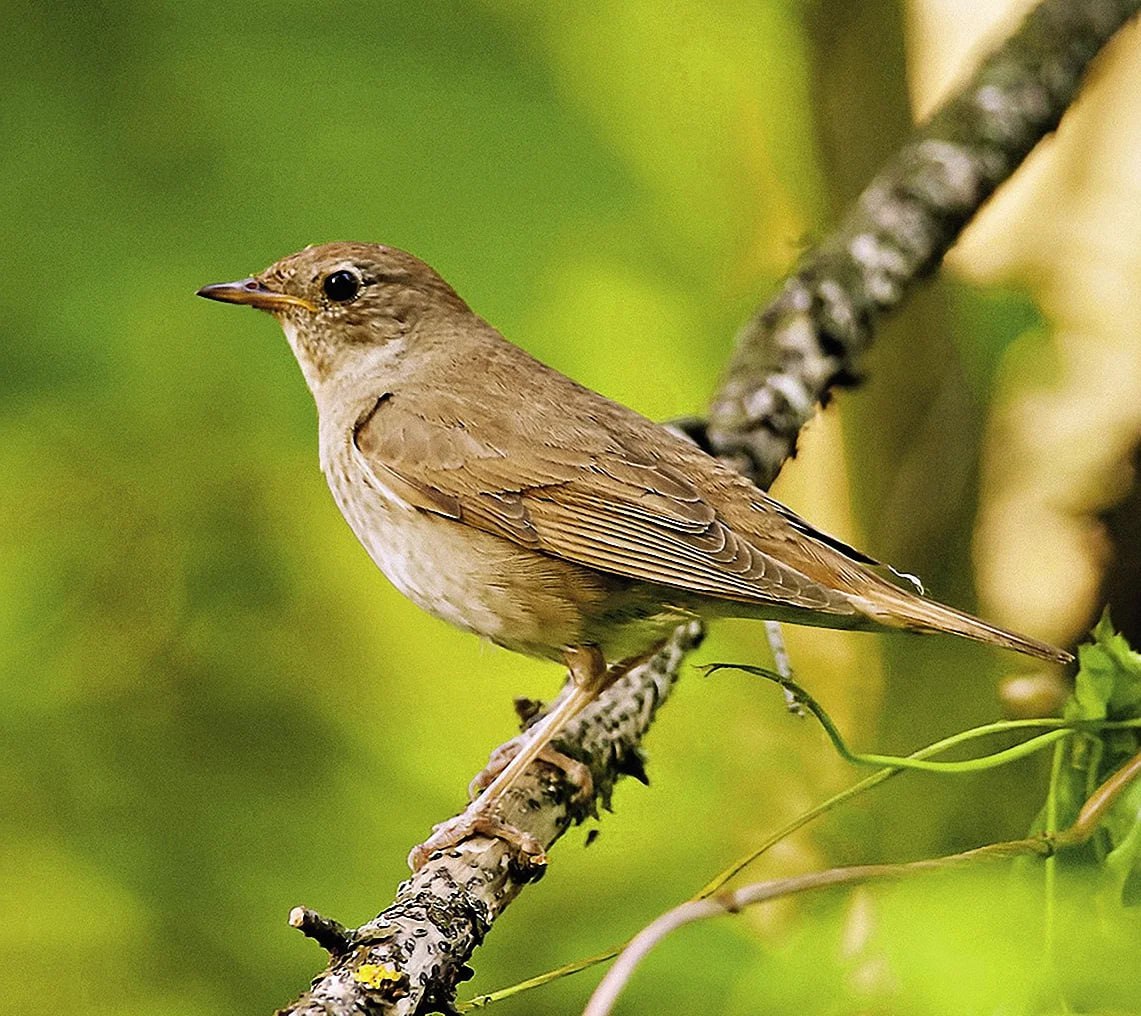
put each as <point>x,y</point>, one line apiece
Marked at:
<point>330,935</point>
<point>618,976</point>
<point>1051,724</point>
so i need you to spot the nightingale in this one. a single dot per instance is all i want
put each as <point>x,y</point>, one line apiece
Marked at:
<point>500,495</point>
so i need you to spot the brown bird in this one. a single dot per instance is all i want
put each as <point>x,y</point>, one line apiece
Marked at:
<point>501,496</point>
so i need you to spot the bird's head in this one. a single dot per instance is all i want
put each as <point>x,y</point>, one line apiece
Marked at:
<point>341,303</point>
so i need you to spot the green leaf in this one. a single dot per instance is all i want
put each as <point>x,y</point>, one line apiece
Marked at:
<point>1109,681</point>
<point>1108,687</point>
<point>1123,862</point>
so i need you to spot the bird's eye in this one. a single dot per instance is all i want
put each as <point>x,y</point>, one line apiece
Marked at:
<point>341,286</point>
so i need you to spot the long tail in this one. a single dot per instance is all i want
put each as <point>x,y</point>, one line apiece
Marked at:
<point>895,608</point>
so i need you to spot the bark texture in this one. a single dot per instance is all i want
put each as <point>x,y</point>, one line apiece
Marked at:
<point>810,338</point>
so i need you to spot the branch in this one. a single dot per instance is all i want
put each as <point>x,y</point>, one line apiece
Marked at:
<point>606,994</point>
<point>810,339</point>
<point>410,958</point>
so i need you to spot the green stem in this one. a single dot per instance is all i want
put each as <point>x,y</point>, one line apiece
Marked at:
<point>891,766</point>
<point>1059,729</point>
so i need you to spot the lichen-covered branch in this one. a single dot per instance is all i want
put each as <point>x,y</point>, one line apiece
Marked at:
<point>811,337</point>
<point>409,959</point>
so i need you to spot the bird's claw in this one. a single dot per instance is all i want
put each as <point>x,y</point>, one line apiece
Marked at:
<point>576,773</point>
<point>527,857</point>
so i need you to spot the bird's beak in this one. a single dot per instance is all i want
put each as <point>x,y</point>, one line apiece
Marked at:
<point>253,293</point>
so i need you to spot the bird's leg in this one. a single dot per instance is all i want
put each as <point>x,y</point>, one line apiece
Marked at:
<point>783,666</point>
<point>589,678</point>
<point>576,772</point>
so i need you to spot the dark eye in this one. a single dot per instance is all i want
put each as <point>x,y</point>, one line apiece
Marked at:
<point>342,286</point>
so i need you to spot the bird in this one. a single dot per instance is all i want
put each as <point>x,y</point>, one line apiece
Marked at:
<point>507,499</point>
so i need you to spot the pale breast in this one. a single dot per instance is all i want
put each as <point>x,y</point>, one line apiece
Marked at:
<point>518,598</point>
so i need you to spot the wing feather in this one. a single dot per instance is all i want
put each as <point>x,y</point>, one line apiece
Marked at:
<point>599,497</point>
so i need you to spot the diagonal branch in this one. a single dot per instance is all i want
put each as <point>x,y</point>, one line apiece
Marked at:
<point>808,340</point>
<point>409,958</point>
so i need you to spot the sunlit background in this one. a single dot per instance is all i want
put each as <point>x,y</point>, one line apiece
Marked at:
<point>212,707</point>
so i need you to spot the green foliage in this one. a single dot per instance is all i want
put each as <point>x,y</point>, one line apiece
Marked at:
<point>212,707</point>
<point>1108,685</point>
<point>994,324</point>
<point>1107,688</point>
<point>930,933</point>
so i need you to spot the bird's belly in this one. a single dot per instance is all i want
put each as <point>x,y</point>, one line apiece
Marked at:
<point>519,598</point>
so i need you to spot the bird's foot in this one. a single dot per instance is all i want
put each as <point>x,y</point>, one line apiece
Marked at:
<point>527,857</point>
<point>576,773</point>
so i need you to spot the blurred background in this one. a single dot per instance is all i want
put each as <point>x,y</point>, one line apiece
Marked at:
<point>212,707</point>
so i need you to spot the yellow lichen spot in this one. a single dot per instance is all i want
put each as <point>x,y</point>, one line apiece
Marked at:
<point>373,975</point>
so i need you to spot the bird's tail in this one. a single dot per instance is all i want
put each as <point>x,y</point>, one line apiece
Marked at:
<point>896,608</point>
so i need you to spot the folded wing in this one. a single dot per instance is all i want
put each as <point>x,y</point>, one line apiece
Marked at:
<point>603,497</point>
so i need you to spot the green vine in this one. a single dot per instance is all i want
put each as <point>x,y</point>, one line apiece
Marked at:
<point>1099,730</point>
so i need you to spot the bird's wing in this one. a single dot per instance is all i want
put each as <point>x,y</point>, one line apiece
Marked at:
<point>600,495</point>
